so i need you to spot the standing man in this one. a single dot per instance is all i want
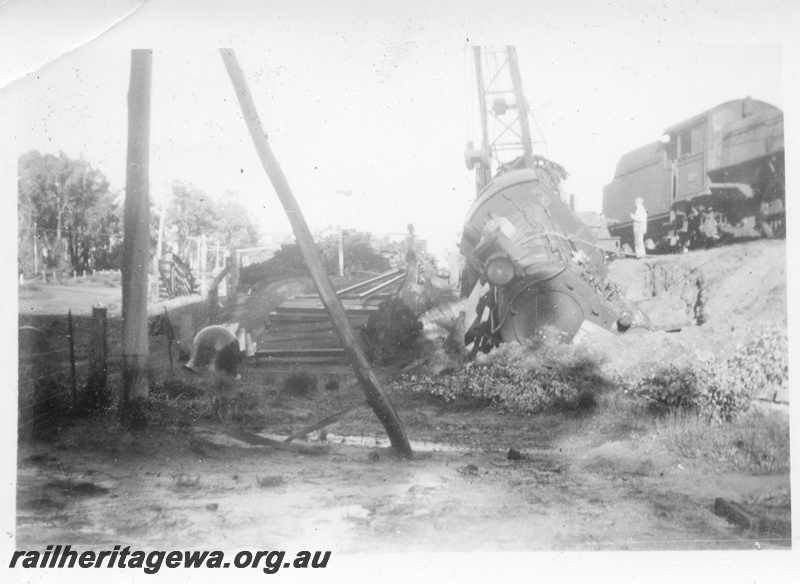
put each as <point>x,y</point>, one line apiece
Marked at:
<point>639,227</point>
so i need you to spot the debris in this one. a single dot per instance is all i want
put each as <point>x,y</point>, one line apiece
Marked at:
<point>515,455</point>
<point>735,513</point>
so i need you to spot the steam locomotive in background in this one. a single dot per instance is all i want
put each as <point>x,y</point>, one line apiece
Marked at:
<point>717,176</point>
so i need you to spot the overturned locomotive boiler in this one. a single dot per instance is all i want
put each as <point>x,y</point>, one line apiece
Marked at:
<point>538,269</point>
<point>532,267</point>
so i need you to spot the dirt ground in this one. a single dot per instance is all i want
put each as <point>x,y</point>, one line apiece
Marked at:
<point>601,480</point>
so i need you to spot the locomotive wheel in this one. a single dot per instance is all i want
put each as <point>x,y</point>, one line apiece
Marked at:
<point>541,311</point>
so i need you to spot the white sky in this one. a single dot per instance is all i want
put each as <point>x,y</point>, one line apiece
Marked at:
<point>376,98</point>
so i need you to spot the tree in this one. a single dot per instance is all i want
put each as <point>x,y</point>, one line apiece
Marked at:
<point>66,205</point>
<point>104,228</point>
<point>236,228</point>
<point>192,214</point>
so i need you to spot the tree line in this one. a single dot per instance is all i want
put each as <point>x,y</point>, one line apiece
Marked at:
<point>69,218</point>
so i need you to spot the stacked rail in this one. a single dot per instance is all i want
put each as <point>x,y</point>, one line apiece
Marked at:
<point>299,330</point>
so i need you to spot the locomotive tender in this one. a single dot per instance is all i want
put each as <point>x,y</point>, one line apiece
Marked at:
<point>714,177</point>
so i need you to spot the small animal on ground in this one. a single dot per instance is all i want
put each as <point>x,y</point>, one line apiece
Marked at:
<point>215,353</point>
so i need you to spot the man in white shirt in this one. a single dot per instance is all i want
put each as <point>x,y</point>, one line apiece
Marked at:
<point>639,227</point>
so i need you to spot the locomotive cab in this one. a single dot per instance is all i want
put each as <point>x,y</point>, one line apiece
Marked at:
<point>716,176</point>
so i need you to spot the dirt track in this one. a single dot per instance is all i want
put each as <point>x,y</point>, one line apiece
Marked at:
<point>595,492</point>
<point>596,481</point>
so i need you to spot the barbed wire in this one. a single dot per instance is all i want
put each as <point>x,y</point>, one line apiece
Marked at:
<point>48,376</point>
<point>32,355</point>
<point>30,421</point>
<point>50,397</point>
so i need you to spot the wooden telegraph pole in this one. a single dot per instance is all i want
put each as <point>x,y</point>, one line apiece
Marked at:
<point>369,381</point>
<point>136,242</point>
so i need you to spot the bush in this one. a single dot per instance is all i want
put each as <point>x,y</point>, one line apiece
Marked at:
<point>287,262</point>
<point>526,379</point>
<point>762,362</point>
<point>391,333</point>
<point>360,256</point>
<point>721,391</point>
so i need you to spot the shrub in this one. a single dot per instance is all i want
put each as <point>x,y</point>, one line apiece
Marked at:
<point>763,361</point>
<point>526,379</point>
<point>360,256</point>
<point>390,332</point>
<point>721,391</point>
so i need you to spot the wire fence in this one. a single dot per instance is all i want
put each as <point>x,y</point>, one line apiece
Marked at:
<point>71,365</point>
<point>54,368</point>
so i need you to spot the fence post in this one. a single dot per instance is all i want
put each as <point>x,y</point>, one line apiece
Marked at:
<point>72,359</point>
<point>98,364</point>
<point>187,334</point>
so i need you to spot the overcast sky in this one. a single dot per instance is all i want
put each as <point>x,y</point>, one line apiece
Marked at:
<point>375,98</point>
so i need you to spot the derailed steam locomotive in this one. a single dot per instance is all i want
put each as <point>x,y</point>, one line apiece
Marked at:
<point>714,177</point>
<point>532,267</point>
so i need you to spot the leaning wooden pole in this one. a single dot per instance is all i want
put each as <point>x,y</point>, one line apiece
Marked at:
<point>366,376</point>
<point>136,242</point>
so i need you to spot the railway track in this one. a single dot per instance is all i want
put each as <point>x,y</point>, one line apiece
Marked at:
<point>299,330</point>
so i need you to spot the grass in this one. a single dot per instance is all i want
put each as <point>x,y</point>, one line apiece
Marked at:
<point>30,287</point>
<point>757,442</point>
<point>300,384</point>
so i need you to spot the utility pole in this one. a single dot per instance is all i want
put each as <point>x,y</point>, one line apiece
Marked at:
<point>369,381</point>
<point>136,242</point>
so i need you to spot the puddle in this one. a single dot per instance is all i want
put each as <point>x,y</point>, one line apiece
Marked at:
<point>373,442</point>
<point>357,441</point>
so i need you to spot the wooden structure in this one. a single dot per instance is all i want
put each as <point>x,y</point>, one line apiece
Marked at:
<point>299,330</point>
<point>176,277</point>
